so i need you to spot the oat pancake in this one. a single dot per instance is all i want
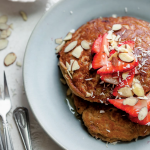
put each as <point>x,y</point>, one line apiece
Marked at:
<point>132,29</point>
<point>108,123</point>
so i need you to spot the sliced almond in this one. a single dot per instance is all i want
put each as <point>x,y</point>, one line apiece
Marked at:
<point>68,37</point>
<point>71,62</point>
<point>126,57</point>
<point>71,46</point>
<point>131,101</point>
<point>9,59</point>
<point>77,51</point>
<point>109,36</point>
<point>58,41</point>
<point>8,32</point>
<point>3,19</point>
<point>117,37</point>
<point>113,44</point>
<point>142,113</point>
<point>63,81</point>
<point>3,26</point>
<point>125,75</point>
<point>68,66</point>
<point>85,44</point>
<point>68,92</point>
<point>113,55</point>
<point>3,43</point>
<point>116,27</point>
<point>138,89</point>
<point>90,66</point>
<point>125,92</point>
<point>135,81</point>
<point>18,64</point>
<point>88,94</point>
<point>23,15</point>
<point>75,66</point>
<point>59,47</point>
<point>69,74</point>
<point>128,48</point>
<point>3,34</point>
<point>144,97</point>
<point>106,50</point>
<point>114,61</point>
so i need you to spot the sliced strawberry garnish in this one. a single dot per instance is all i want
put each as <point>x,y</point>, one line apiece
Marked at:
<point>132,110</point>
<point>128,81</point>
<point>97,45</point>
<point>110,78</point>
<point>112,52</point>
<point>145,121</point>
<point>120,66</point>
<point>100,59</point>
<point>130,43</point>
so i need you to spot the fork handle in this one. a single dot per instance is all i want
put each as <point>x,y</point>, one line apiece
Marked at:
<point>8,140</point>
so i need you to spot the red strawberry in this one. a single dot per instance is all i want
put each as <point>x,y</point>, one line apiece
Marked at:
<point>145,121</point>
<point>100,59</point>
<point>97,44</point>
<point>130,43</point>
<point>112,52</point>
<point>123,83</point>
<point>110,78</point>
<point>132,110</point>
<point>120,66</point>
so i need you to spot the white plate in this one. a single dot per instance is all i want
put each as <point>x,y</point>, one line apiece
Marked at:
<point>44,90</point>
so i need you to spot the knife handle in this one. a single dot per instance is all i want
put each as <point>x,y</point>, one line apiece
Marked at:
<point>21,117</point>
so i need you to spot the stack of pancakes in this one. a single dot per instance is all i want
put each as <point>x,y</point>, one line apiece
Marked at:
<point>103,120</point>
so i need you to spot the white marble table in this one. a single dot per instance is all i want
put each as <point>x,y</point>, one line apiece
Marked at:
<point>17,44</point>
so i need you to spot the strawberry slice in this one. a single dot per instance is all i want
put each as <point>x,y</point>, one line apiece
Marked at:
<point>145,121</point>
<point>110,78</point>
<point>120,66</point>
<point>123,83</point>
<point>131,110</point>
<point>100,59</point>
<point>97,45</point>
<point>130,43</point>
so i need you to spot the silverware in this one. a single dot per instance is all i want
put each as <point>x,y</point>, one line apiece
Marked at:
<point>5,106</point>
<point>21,117</point>
<point>1,142</point>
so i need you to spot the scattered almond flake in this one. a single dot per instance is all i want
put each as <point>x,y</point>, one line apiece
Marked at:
<point>72,30</point>
<point>107,130</point>
<point>101,101</point>
<point>107,144</point>
<point>58,41</point>
<point>88,94</point>
<point>88,79</point>
<point>18,64</point>
<point>3,26</point>
<point>102,111</point>
<point>68,37</point>
<point>116,97</point>
<point>114,15</point>
<point>75,66</point>
<point>8,32</point>
<point>126,9</point>
<point>134,39</point>
<point>123,31</point>
<point>148,124</point>
<point>91,94</point>
<point>77,51</point>
<point>11,26</point>
<point>3,34</point>
<point>3,19</point>
<point>63,81</point>
<point>59,47</point>
<point>71,46</point>
<point>142,113</point>
<point>114,143</point>
<point>10,59</point>
<point>144,97</point>
<point>68,92</point>
<point>117,37</point>
<point>69,74</point>
<point>102,93</point>
<point>139,40</point>
<point>90,66</point>
<point>23,15</point>
<point>85,44</point>
<point>71,12</point>
<point>116,27</point>
<point>106,50</point>
<point>143,71</point>
<point>93,97</point>
<point>109,36</point>
<point>101,82</point>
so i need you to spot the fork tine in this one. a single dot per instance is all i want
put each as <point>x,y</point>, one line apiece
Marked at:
<point>6,91</point>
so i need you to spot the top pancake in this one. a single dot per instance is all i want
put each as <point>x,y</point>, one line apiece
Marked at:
<point>132,29</point>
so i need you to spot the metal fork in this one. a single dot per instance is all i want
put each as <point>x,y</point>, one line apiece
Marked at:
<point>5,106</point>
